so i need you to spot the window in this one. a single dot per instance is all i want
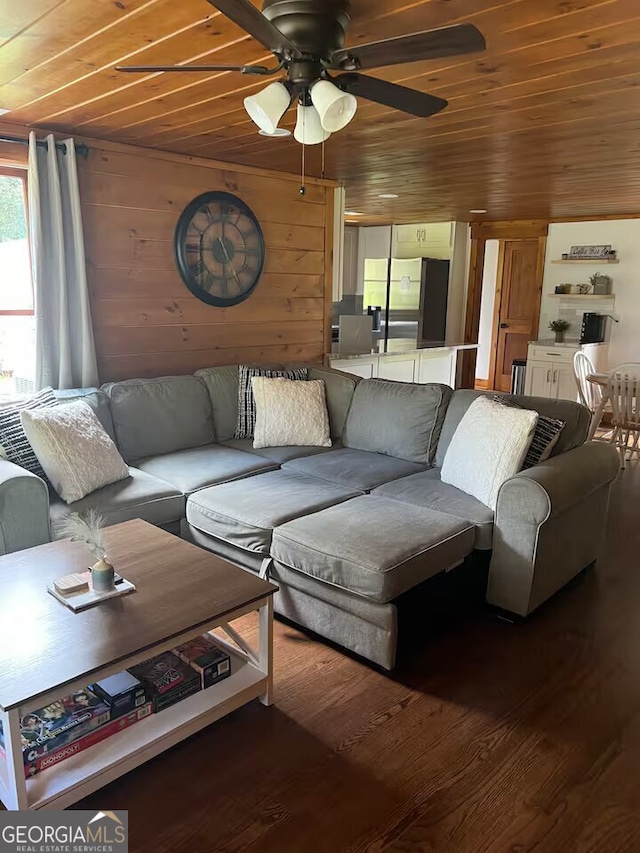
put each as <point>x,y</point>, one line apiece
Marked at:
<point>17,321</point>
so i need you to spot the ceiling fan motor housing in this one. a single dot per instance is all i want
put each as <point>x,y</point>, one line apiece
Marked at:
<point>316,27</point>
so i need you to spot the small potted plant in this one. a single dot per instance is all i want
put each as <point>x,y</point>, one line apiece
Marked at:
<point>559,327</point>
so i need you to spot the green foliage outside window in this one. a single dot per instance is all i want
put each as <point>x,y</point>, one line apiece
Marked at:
<point>13,224</point>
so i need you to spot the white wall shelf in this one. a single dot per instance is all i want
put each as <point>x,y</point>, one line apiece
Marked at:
<point>593,262</point>
<point>581,295</point>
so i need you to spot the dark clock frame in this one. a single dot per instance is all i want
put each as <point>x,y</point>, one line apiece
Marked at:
<point>181,255</point>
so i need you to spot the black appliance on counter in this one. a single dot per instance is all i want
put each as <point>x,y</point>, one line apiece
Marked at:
<point>593,328</point>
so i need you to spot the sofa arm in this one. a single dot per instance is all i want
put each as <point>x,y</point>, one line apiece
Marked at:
<point>549,525</point>
<point>24,509</point>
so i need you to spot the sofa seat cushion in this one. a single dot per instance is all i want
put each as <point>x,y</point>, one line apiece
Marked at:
<point>199,467</point>
<point>244,513</point>
<point>372,546</point>
<point>139,496</point>
<point>358,469</point>
<point>427,490</point>
<point>279,454</point>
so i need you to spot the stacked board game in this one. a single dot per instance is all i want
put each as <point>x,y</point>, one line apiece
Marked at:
<point>61,723</point>
<point>122,692</point>
<point>207,658</point>
<point>167,679</point>
<point>49,758</point>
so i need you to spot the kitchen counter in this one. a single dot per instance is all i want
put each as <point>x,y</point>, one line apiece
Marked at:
<point>550,342</point>
<point>420,347</point>
<point>428,361</point>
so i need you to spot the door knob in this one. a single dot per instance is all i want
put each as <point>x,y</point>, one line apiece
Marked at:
<point>504,325</point>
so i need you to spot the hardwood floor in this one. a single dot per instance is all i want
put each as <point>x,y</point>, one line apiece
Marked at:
<point>492,738</point>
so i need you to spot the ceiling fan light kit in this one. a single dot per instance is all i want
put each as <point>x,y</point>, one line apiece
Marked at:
<point>335,107</point>
<point>309,129</point>
<point>307,38</point>
<point>267,107</point>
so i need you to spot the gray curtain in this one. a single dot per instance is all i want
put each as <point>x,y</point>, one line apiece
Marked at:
<point>65,351</point>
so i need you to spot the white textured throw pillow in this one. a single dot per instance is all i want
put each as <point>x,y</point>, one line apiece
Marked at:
<point>76,453</point>
<point>487,448</point>
<point>290,413</point>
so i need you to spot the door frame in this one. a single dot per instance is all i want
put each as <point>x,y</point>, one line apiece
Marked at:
<point>497,305</point>
<point>480,233</point>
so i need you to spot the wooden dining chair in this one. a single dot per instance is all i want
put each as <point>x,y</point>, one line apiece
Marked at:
<point>624,397</point>
<point>590,393</point>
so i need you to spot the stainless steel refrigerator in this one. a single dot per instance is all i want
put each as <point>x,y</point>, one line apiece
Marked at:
<point>412,296</point>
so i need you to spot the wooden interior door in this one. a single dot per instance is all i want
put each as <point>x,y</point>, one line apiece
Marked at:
<point>518,296</point>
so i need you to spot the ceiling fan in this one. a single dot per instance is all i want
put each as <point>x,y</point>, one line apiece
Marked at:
<point>307,38</point>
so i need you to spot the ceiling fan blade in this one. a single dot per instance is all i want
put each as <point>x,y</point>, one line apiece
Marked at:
<point>245,14</point>
<point>391,94</point>
<point>244,69</point>
<point>432,44</point>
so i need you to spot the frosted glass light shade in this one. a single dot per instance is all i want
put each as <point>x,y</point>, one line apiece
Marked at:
<point>267,107</point>
<point>335,107</point>
<point>309,130</point>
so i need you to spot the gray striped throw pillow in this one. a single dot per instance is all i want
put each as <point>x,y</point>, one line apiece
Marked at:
<point>246,422</point>
<point>12,436</point>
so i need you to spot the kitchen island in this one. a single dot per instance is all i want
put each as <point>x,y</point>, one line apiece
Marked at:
<point>427,362</point>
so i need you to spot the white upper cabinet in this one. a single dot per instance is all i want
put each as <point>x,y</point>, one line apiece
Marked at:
<point>430,239</point>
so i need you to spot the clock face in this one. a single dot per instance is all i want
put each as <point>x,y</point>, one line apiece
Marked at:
<point>219,248</point>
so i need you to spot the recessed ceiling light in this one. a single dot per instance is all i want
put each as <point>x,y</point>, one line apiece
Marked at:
<point>4,111</point>
<point>478,210</point>
<point>388,195</point>
<point>279,131</point>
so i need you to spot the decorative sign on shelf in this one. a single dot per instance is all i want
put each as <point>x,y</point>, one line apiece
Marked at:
<point>591,253</point>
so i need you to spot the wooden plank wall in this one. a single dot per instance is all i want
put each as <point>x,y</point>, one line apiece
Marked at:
<point>146,321</point>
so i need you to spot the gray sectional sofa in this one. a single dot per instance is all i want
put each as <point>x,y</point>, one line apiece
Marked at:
<point>344,531</point>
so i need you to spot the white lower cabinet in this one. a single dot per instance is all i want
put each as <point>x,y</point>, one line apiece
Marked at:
<point>436,365</point>
<point>550,369</point>
<point>367,369</point>
<point>398,369</point>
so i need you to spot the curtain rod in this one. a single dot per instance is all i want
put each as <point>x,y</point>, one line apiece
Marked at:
<point>82,149</point>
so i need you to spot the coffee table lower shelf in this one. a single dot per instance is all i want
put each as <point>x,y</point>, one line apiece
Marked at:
<point>86,772</point>
<point>80,775</point>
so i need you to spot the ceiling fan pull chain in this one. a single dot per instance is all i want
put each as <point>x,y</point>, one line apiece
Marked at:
<point>303,189</point>
<point>322,167</point>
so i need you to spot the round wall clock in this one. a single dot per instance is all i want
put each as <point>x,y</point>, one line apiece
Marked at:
<point>219,248</point>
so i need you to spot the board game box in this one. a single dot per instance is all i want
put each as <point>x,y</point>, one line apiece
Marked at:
<point>49,759</point>
<point>60,723</point>
<point>167,679</point>
<point>207,658</point>
<point>122,692</point>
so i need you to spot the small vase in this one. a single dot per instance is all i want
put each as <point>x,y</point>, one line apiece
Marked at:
<point>559,337</point>
<point>102,575</point>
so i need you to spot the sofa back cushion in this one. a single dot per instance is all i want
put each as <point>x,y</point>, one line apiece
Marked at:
<point>96,399</point>
<point>155,416</point>
<point>339,389</point>
<point>396,418</point>
<point>576,418</point>
<point>222,385</point>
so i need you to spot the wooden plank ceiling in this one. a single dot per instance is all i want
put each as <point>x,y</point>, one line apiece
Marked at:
<point>543,125</point>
